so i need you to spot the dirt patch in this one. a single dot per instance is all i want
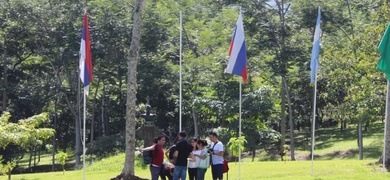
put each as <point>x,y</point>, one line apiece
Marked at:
<point>131,177</point>
<point>334,154</point>
<point>342,154</point>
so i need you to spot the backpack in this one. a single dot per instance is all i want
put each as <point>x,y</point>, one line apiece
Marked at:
<point>225,166</point>
<point>148,155</point>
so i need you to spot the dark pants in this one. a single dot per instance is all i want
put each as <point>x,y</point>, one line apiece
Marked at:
<point>192,173</point>
<point>155,172</point>
<point>166,174</point>
<point>201,173</point>
<point>217,171</point>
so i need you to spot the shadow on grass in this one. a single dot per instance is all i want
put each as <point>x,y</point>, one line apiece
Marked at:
<point>43,168</point>
<point>327,137</point>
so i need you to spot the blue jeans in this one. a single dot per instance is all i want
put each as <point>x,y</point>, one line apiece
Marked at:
<point>180,172</point>
<point>201,173</point>
<point>155,172</point>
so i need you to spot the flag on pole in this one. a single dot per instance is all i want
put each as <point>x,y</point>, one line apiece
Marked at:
<point>314,65</point>
<point>237,52</point>
<point>384,48</point>
<point>85,63</point>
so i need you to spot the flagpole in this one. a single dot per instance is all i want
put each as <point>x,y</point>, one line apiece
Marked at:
<point>313,125</point>
<point>386,118</point>
<point>181,24</point>
<point>239,132</point>
<point>84,135</point>
<point>85,104</point>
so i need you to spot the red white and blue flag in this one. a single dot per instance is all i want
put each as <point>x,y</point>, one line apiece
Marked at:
<point>237,52</point>
<point>85,63</point>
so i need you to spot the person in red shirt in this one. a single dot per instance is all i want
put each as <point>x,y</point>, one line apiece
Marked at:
<point>157,154</point>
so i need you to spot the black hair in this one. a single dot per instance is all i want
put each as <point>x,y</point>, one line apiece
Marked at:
<point>156,139</point>
<point>202,142</point>
<point>196,141</point>
<point>213,133</point>
<point>183,134</point>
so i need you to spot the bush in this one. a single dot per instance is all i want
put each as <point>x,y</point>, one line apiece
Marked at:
<point>61,157</point>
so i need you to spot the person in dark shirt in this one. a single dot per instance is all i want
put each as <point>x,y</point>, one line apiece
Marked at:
<point>183,151</point>
<point>169,154</point>
<point>166,171</point>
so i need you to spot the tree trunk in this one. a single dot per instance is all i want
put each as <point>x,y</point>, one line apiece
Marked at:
<point>54,127</point>
<point>366,126</point>
<point>360,140</point>
<point>5,68</point>
<point>75,112</point>
<point>386,151</point>
<point>35,156</point>
<point>30,159</point>
<point>253,154</point>
<point>282,61</point>
<point>283,120</point>
<point>5,75</point>
<point>39,155</point>
<point>291,122</point>
<point>93,113</point>
<point>128,168</point>
<point>103,105</point>
<point>77,125</point>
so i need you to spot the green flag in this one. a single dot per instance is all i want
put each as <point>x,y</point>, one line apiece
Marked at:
<point>384,50</point>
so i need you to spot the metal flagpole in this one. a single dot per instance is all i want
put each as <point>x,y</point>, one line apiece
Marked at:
<point>180,73</point>
<point>313,124</point>
<point>386,118</point>
<point>84,135</point>
<point>239,134</point>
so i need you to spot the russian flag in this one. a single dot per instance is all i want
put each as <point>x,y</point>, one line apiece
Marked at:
<point>85,64</point>
<point>237,52</point>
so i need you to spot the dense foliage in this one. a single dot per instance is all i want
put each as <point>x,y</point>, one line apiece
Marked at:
<point>39,61</point>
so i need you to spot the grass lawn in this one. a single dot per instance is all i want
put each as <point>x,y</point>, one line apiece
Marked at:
<point>335,169</point>
<point>336,154</point>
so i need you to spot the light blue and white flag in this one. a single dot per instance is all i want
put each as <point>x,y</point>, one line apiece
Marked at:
<point>315,53</point>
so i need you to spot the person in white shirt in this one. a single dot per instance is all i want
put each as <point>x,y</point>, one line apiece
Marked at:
<point>216,152</point>
<point>202,159</point>
<point>192,169</point>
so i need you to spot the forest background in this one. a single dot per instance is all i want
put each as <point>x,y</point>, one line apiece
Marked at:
<point>39,47</point>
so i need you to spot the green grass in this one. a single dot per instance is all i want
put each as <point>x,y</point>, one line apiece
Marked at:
<point>335,169</point>
<point>331,143</point>
<point>336,158</point>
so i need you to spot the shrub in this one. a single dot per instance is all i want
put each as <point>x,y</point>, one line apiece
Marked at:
<point>61,157</point>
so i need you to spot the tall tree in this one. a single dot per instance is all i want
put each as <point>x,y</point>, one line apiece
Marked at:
<point>131,105</point>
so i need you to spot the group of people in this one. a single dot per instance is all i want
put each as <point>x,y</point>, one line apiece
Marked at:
<point>193,157</point>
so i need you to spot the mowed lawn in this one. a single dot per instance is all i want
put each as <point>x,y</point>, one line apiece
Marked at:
<point>325,169</point>
<point>336,155</point>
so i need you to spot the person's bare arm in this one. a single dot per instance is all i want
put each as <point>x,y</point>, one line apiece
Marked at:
<point>151,148</point>
<point>220,153</point>
<point>200,156</point>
